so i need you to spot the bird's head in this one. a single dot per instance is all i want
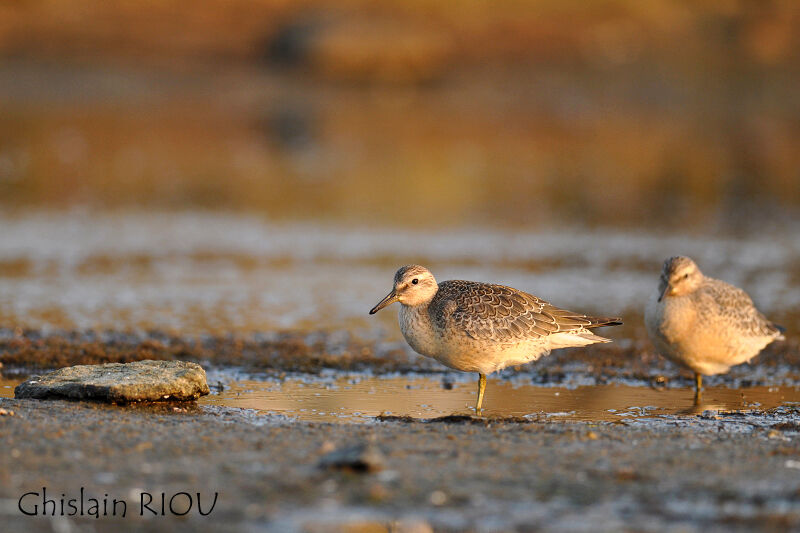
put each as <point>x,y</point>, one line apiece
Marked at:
<point>680,275</point>
<point>413,285</point>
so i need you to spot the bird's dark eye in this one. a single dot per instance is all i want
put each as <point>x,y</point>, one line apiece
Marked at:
<point>685,276</point>
<point>414,281</point>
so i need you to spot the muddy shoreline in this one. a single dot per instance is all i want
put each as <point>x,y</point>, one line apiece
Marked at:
<point>27,352</point>
<point>707,470</point>
<point>704,472</point>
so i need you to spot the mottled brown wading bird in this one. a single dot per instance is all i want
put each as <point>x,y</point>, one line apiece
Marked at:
<point>481,327</point>
<point>704,324</point>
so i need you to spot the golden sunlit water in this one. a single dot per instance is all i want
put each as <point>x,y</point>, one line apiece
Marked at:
<point>361,399</point>
<point>7,386</point>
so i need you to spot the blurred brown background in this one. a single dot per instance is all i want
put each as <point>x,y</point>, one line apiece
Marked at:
<point>612,113</point>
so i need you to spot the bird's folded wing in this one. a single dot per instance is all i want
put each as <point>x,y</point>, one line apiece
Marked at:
<point>494,312</point>
<point>736,306</point>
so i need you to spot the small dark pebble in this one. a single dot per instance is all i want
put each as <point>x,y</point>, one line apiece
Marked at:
<point>787,426</point>
<point>359,459</point>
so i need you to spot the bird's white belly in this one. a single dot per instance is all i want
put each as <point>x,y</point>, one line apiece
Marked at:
<point>473,356</point>
<point>457,350</point>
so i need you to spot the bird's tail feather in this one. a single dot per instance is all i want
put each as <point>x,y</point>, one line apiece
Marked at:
<point>571,339</point>
<point>599,321</point>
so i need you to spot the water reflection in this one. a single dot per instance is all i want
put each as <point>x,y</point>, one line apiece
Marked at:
<point>359,399</point>
<point>7,386</point>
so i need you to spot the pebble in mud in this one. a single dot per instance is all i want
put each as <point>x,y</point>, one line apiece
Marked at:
<point>361,459</point>
<point>114,382</point>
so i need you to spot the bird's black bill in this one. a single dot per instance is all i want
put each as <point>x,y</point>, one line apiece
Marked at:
<point>664,290</point>
<point>390,299</point>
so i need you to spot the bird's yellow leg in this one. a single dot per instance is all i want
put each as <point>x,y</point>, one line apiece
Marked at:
<point>481,388</point>
<point>698,386</point>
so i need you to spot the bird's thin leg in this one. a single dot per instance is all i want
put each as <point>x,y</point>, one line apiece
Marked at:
<point>481,388</point>
<point>698,386</point>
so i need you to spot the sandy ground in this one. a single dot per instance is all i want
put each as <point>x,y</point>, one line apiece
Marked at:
<point>707,472</point>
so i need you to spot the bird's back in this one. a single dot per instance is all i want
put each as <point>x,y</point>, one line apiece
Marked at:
<point>725,307</point>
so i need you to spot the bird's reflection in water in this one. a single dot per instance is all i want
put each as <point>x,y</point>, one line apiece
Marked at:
<point>362,398</point>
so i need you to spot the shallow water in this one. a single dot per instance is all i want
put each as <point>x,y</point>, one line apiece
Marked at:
<point>359,399</point>
<point>7,386</point>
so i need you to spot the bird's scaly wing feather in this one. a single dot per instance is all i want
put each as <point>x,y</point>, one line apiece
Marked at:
<point>502,314</point>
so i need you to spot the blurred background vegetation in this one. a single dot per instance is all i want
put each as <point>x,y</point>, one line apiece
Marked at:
<point>618,113</point>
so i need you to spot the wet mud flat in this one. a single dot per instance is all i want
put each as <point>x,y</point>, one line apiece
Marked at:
<point>280,353</point>
<point>574,442</point>
<point>711,471</point>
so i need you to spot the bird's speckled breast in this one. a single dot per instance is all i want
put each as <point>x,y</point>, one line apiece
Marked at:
<point>417,328</point>
<point>671,319</point>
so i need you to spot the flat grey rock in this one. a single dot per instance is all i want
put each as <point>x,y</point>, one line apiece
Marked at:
<point>142,381</point>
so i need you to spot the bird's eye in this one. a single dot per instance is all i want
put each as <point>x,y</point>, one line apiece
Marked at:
<point>686,275</point>
<point>414,281</point>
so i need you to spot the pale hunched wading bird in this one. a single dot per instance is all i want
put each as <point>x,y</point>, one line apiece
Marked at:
<point>702,323</point>
<point>482,327</point>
